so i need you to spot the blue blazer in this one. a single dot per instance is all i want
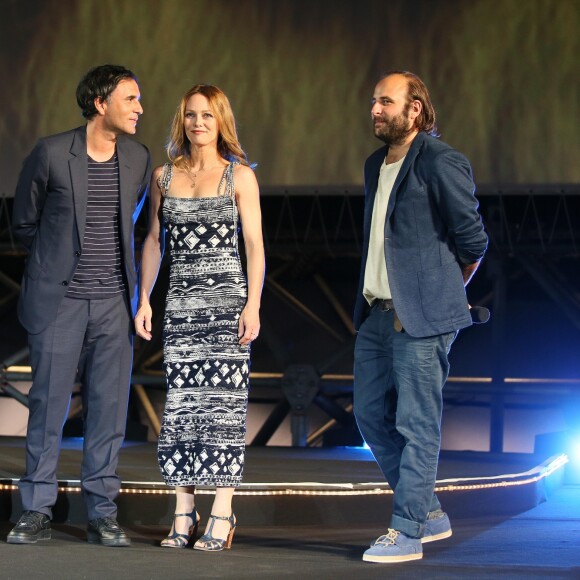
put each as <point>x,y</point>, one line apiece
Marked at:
<point>49,215</point>
<point>432,227</point>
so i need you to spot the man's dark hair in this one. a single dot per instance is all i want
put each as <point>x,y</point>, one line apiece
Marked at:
<point>100,82</point>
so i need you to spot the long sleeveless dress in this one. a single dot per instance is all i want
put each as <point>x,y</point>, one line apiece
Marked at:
<point>202,439</point>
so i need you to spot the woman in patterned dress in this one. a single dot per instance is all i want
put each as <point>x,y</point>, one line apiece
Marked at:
<point>212,312</point>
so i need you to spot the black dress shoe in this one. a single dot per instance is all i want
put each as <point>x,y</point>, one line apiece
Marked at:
<point>31,527</point>
<point>107,531</point>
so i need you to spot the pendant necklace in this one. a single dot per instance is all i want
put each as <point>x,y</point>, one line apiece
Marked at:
<point>193,175</point>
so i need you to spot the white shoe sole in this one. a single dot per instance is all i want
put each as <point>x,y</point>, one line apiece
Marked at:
<point>437,537</point>
<point>391,559</point>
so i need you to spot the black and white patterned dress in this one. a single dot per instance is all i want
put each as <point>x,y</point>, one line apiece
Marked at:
<point>202,439</point>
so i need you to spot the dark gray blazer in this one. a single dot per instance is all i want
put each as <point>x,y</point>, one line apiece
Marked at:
<point>50,214</point>
<point>431,228</point>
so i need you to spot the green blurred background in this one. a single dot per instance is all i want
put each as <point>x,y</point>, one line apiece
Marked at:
<point>300,74</point>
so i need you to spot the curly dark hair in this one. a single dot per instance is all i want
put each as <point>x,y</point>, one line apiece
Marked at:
<point>99,82</point>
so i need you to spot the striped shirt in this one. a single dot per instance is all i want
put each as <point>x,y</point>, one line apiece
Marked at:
<point>99,273</point>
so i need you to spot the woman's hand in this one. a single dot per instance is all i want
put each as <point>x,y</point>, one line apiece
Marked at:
<point>249,325</point>
<point>143,321</point>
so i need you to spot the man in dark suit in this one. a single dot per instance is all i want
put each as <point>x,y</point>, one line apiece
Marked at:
<point>77,199</point>
<point>423,241</point>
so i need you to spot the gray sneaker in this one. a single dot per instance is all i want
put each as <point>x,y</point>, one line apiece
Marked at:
<point>31,527</point>
<point>437,527</point>
<point>394,547</point>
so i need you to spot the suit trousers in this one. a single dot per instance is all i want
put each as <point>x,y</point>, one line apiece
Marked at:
<point>398,384</point>
<point>98,333</point>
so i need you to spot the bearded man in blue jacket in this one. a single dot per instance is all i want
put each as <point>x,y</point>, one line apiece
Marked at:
<point>423,241</point>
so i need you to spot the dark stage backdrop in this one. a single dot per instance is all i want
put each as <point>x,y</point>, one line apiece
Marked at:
<point>300,73</point>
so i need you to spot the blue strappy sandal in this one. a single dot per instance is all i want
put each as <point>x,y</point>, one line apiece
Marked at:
<point>176,540</point>
<point>210,544</point>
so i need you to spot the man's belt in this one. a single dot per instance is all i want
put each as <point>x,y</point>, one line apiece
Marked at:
<point>384,304</point>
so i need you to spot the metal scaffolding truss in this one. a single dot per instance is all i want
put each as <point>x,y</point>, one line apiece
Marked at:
<point>313,244</point>
<point>539,219</point>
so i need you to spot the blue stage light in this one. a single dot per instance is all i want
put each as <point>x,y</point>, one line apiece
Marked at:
<point>575,449</point>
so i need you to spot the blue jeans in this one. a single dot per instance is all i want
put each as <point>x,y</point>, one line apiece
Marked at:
<point>398,384</point>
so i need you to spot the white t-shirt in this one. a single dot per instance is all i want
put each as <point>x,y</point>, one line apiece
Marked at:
<point>376,282</point>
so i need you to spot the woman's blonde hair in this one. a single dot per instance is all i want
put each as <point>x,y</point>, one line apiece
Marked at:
<point>178,146</point>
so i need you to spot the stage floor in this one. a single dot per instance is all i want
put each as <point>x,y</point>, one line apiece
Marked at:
<point>138,463</point>
<point>308,536</point>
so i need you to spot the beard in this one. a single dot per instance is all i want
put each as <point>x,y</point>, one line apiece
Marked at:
<point>393,130</point>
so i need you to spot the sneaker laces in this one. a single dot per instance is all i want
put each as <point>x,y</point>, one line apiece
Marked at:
<point>30,519</point>
<point>111,523</point>
<point>389,539</point>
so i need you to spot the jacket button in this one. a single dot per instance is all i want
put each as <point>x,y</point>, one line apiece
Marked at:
<point>77,253</point>
<point>64,283</point>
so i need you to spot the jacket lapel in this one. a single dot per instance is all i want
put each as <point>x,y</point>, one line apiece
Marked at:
<point>371,184</point>
<point>126,195</point>
<point>407,164</point>
<point>78,167</point>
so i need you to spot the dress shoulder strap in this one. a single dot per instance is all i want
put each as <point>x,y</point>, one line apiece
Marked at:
<point>226,186</point>
<point>164,179</point>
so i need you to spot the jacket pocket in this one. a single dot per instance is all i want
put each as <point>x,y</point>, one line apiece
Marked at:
<point>442,293</point>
